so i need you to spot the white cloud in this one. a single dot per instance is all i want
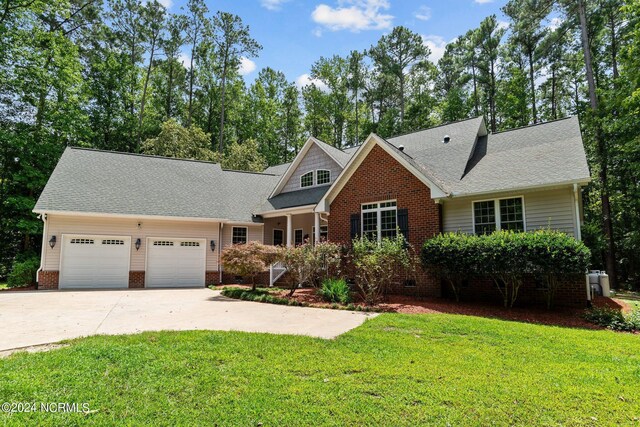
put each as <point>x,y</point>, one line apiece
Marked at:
<point>166,3</point>
<point>555,23</point>
<point>503,25</point>
<point>436,45</point>
<point>272,4</point>
<point>354,15</point>
<point>185,58</point>
<point>483,1</point>
<point>305,80</point>
<point>423,13</point>
<point>247,66</point>
<point>317,32</point>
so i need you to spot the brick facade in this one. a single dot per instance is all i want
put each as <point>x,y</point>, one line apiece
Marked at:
<point>378,178</point>
<point>136,279</point>
<point>261,279</point>
<point>48,280</point>
<point>212,278</point>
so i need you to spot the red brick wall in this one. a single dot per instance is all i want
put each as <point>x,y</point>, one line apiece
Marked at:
<point>261,279</point>
<point>380,177</point>
<point>136,279</point>
<point>212,278</point>
<point>48,280</point>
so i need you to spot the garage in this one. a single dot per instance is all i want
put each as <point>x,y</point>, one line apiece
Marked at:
<point>175,263</point>
<point>94,262</point>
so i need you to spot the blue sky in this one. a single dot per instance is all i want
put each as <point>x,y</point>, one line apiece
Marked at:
<point>295,33</point>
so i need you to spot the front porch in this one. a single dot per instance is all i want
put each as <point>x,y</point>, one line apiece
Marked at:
<point>294,227</point>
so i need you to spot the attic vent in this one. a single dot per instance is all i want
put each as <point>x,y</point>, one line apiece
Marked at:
<point>446,139</point>
<point>401,147</point>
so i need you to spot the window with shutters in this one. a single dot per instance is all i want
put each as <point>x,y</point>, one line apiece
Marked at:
<point>379,220</point>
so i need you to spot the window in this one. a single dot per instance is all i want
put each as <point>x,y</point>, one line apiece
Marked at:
<point>379,220</point>
<point>323,176</point>
<point>162,243</point>
<point>324,233</point>
<point>239,235</point>
<point>278,237</point>
<point>113,242</point>
<point>499,214</point>
<point>306,180</point>
<point>189,243</point>
<point>82,241</point>
<point>298,237</point>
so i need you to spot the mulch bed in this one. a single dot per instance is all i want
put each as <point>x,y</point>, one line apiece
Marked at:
<point>562,316</point>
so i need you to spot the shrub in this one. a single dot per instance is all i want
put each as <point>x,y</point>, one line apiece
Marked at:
<point>23,272</point>
<point>614,319</point>
<point>310,265</point>
<point>376,264</point>
<point>335,290</point>
<point>248,259</point>
<point>507,258</point>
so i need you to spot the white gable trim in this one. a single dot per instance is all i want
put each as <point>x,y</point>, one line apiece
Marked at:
<point>296,162</point>
<point>357,159</point>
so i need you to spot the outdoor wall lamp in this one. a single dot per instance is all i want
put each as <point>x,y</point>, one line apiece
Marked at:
<point>138,244</point>
<point>213,245</point>
<point>52,241</point>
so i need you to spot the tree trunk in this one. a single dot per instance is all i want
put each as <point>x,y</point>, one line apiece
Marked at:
<point>222,105</point>
<point>475,89</point>
<point>401,99</point>
<point>144,92</point>
<point>169,89</point>
<point>614,47</point>
<point>554,107</point>
<point>601,148</point>
<point>492,99</point>
<point>191,77</point>
<point>533,87</point>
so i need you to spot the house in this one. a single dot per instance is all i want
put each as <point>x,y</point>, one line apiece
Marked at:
<point>116,220</point>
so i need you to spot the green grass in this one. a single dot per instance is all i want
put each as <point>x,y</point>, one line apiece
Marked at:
<point>3,286</point>
<point>393,370</point>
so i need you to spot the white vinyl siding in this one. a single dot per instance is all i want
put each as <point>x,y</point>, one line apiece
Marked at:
<point>553,209</point>
<point>315,159</point>
<point>254,234</point>
<point>105,227</point>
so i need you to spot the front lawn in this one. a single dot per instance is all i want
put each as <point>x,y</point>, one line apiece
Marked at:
<point>395,369</point>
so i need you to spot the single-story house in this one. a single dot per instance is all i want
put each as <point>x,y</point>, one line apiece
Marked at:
<point>118,220</point>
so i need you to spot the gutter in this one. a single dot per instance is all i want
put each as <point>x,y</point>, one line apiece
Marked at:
<point>576,200</point>
<point>44,245</point>
<point>580,182</point>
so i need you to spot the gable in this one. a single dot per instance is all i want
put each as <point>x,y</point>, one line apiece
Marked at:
<point>315,158</point>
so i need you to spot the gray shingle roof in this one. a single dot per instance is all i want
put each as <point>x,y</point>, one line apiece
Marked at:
<point>538,155</point>
<point>290,199</point>
<point>117,183</point>
<point>277,169</point>
<point>339,156</point>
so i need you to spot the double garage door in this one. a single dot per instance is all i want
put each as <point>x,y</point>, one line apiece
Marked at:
<point>101,262</point>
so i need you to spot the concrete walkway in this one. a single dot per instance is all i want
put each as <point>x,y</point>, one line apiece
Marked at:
<point>29,318</point>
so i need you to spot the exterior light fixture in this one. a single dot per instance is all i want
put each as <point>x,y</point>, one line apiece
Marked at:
<point>213,245</point>
<point>52,241</point>
<point>138,243</point>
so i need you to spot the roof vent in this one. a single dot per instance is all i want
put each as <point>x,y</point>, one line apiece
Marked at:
<point>401,147</point>
<point>446,139</point>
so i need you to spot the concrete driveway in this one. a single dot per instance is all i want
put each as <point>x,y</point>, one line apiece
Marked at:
<point>41,317</point>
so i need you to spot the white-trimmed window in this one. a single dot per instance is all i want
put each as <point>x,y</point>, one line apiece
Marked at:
<point>239,235</point>
<point>324,233</point>
<point>323,176</point>
<point>278,237</point>
<point>498,214</point>
<point>298,236</point>
<point>306,180</point>
<point>379,220</point>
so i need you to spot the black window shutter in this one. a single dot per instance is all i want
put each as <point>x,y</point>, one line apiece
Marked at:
<point>403,222</point>
<point>355,225</point>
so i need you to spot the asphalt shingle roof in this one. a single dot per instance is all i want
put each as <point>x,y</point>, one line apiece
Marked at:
<point>339,156</point>
<point>118,183</point>
<point>290,199</point>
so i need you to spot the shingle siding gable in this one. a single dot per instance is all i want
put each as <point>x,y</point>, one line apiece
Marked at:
<point>314,159</point>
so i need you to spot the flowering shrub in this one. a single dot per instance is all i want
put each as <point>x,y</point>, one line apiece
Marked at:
<point>248,260</point>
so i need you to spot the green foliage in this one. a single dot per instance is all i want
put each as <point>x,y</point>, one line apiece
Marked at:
<point>244,157</point>
<point>507,257</point>
<point>177,141</point>
<point>376,264</point>
<point>23,272</point>
<point>614,319</point>
<point>309,264</point>
<point>257,295</point>
<point>335,290</point>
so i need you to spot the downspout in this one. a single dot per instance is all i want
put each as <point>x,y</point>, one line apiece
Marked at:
<point>44,245</point>
<point>576,195</point>
<point>220,225</point>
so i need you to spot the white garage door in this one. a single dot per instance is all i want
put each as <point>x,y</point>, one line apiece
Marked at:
<point>95,261</point>
<point>175,263</point>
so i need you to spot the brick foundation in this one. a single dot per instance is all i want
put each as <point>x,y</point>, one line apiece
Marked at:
<point>212,278</point>
<point>48,280</point>
<point>570,293</point>
<point>261,279</point>
<point>378,178</point>
<point>136,279</point>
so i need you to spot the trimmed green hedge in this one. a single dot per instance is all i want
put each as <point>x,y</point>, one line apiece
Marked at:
<point>507,258</point>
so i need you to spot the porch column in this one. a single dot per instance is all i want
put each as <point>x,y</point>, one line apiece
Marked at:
<point>289,230</point>
<point>316,238</point>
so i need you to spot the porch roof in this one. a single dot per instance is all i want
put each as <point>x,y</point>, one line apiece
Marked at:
<point>291,199</point>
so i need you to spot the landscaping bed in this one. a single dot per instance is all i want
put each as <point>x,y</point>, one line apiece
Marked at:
<point>570,317</point>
